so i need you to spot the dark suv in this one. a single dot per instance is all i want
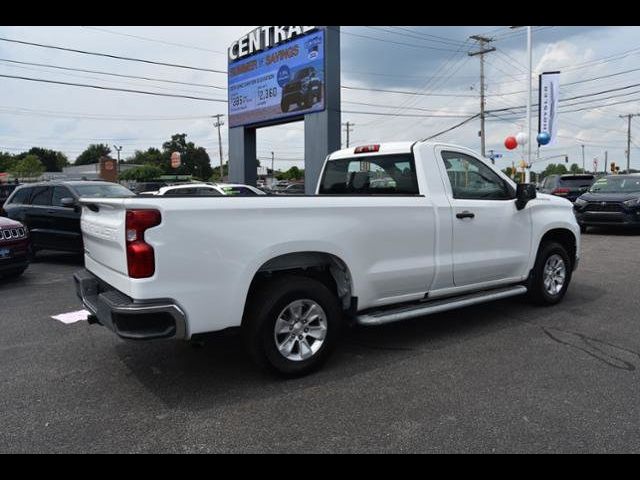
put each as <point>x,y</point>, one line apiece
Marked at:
<point>611,201</point>
<point>567,186</point>
<point>305,90</point>
<point>5,192</point>
<point>52,213</point>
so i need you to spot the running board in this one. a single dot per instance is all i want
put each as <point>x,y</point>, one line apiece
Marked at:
<point>381,317</point>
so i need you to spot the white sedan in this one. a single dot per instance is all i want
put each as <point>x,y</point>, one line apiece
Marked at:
<point>208,189</point>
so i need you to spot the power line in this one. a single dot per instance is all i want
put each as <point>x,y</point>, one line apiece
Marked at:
<point>120,75</point>
<point>404,92</point>
<point>393,42</point>
<point>155,40</point>
<point>126,90</point>
<point>414,34</point>
<point>107,55</point>
<point>452,128</point>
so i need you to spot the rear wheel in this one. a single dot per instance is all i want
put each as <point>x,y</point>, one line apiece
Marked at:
<point>292,325</point>
<point>551,275</point>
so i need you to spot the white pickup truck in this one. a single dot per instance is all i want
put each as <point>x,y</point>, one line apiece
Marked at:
<point>395,231</point>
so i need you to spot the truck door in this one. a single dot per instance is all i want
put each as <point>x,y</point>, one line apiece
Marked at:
<point>491,237</point>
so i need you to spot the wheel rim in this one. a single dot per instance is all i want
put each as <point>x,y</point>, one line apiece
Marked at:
<point>555,275</point>
<point>300,330</point>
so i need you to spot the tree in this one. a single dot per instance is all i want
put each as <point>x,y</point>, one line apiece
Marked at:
<point>93,154</point>
<point>575,169</point>
<point>195,160</point>
<point>7,161</point>
<point>29,167</point>
<point>554,169</point>
<point>52,160</point>
<point>144,173</point>
<point>151,156</point>
<point>294,173</point>
<point>215,174</point>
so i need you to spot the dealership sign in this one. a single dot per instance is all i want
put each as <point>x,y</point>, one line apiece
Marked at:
<point>276,73</point>
<point>549,96</point>
<point>264,38</point>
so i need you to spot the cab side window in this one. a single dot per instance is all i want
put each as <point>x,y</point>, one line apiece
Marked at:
<point>58,194</point>
<point>21,196</point>
<point>42,196</point>
<point>471,179</point>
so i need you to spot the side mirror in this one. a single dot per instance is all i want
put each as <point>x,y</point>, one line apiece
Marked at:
<point>525,192</point>
<point>69,202</point>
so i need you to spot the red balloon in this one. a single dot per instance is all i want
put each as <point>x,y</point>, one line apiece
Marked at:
<point>511,143</point>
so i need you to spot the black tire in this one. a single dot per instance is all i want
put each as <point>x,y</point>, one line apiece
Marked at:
<point>538,294</point>
<point>265,307</point>
<point>285,106</point>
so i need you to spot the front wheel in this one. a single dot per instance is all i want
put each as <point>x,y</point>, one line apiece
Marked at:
<point>291,325</point>
<point>551,275</point>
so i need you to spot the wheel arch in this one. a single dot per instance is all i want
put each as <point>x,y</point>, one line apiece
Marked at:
<point>564,237</point>
<point>323,266</point>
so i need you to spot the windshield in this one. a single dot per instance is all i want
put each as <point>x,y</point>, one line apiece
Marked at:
<point>576,182</point>
<point>616,185</point>
<point>103,191</point>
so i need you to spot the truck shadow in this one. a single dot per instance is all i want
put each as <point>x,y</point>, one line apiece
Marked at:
<point>219,373</point>
<point>614,231</point>
<point>58,258</point>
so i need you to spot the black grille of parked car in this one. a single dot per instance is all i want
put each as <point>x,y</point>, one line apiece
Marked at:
<point>604,207</point>
<point>12,234</point>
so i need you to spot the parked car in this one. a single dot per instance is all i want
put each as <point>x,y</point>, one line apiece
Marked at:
<point>611,201</point>
<point>305,90</point>
<point>145,188</point>
<point>5,191</point>
<point>52,214</point>
<point>567,186</point>
<point>208,189</point>
<point>291,271</point>
<point>15,248</point>
<point>293,189</point>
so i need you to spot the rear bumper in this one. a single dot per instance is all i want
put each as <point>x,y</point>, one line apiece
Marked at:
<point>130,319</point>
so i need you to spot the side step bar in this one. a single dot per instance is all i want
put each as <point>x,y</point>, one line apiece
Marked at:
<point>382,317</point>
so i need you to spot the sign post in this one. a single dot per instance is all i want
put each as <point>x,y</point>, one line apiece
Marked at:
<point>176,161</point>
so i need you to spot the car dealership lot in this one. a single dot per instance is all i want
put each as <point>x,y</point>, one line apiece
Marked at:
<point>501,377</point>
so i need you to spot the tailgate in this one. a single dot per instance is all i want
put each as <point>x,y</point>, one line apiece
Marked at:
<point>103,233</point>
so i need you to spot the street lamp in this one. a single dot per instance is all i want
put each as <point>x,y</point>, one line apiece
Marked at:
<point>529,100</point>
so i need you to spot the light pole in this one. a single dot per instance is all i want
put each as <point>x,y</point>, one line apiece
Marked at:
<point>118,149</point>
<point>529,99</point>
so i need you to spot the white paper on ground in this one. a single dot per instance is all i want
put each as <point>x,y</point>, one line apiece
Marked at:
<point>72,317</point>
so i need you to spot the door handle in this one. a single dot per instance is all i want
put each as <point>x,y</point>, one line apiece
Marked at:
<point>465,214</point>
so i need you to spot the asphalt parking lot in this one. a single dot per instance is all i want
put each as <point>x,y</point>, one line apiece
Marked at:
<point>502,377</point>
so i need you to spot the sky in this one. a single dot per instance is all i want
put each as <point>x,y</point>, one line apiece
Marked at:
<point>431,61</point>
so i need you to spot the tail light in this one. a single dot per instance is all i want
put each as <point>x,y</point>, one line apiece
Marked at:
<point>140,255</point>
<point>561,191</point>
<point>367,149</point>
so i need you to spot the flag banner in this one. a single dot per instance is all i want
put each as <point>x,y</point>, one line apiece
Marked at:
<point>549,95</point>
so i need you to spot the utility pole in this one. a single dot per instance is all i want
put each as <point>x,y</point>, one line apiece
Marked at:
<point>273,169</point>
<point>349,128</point>
<point>606,161</point>
<point>118,149</point>
<point>218,124</point>
<point>482,41</point>
<point>629,117</point>
<point>583,164</point>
